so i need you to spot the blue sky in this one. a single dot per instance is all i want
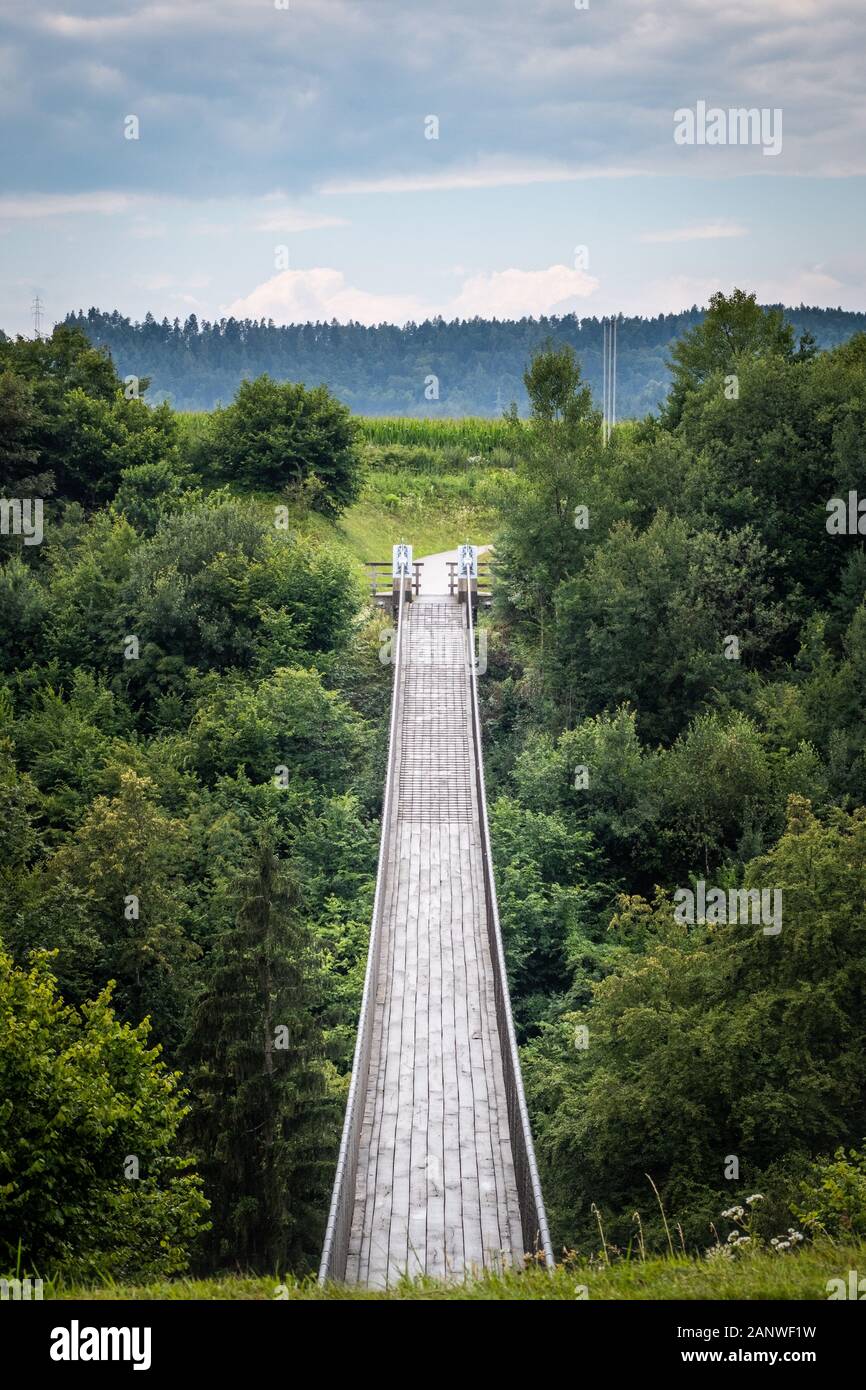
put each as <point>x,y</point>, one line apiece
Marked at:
<point>282,166</point>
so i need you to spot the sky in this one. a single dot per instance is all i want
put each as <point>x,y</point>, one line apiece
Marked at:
<point>394,159</point>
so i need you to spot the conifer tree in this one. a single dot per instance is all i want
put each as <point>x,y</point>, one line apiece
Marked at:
<point>264,1123</point>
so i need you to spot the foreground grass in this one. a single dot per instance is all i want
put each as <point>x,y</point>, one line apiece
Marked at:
<point>800,1275</point>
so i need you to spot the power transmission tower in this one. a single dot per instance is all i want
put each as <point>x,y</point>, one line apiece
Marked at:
<point>37,308</point>
<point>608,377</point>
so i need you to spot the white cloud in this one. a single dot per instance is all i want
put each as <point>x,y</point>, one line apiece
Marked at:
<point>293,220</point>
<point>710,231</point>
<point>301,296</point>
<point>670,294</point>
<point>148,231</point>
<point>26,206</point>
<point>514,294</point>
<point>812,285</point>
<point>493,174</point>
<point>298,296</point>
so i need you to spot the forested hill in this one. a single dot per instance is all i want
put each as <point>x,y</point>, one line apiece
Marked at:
<point>479,363</point>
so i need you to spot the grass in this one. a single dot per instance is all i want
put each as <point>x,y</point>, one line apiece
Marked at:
<point>431,512</point>
<point>370,531</point>
<point>800,1275</point>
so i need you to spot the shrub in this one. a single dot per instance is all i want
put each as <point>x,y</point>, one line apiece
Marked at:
<point>85,1101</point>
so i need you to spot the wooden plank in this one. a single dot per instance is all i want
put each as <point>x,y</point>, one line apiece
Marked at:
<point>435,1190</point>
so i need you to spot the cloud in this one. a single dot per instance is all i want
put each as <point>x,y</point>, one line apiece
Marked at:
<point>236,98</point>
<point>812,285</point>
<point>148,231</point>
<point>290,220</point>
<point>710,231</point>
<point>26,207</point>
<point>321,294</point>
<point>35,206</point>
<point>515,294</point>
<point>236,93</point>
<point>670,294</point>
<point>496,174</point>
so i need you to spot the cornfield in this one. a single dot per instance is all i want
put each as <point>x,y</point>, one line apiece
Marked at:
<point>474,434</point>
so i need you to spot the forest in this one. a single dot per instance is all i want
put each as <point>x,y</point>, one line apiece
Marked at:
<point>192,744</point>
<point>477,364</point>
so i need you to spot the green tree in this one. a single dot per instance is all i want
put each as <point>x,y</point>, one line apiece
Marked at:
<point>112,902</point>
<point>92,1180</point>
<point>711,1040</point>
<point>19,452</point>
<point>600,776</point>
<point>277,435</point>
<point>735,327</point>
<point>78,417</point>
<point>24,614</point>
<point>540,542</point>
<point>550,903</point>
<point>287,721</point>
<point>263,1118</point>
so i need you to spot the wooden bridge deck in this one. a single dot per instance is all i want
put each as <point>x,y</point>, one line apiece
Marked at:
<point>435,1189</point>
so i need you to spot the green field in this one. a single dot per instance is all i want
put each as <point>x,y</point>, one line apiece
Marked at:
<point>475,434</point>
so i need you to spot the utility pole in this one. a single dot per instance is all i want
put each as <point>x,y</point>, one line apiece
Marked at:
<point>37,308</point>
<point>608,377</point>
<point>613,393</point>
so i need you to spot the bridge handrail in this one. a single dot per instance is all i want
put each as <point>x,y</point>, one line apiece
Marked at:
<point>536,1234</point>
<point>335,1249</point>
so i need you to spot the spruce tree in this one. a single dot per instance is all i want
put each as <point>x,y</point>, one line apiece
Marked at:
<point>263,1124</point>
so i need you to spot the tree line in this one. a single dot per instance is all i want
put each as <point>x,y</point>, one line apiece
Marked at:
<point>478,364</point>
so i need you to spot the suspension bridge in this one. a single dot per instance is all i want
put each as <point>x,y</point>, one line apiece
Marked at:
<point>436,1172</point>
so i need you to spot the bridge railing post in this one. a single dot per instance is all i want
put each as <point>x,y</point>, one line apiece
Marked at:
<point>467,575</point>
<point>404,576</point>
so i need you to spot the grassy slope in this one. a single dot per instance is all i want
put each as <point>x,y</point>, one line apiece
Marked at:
<point>801,1275</point>
<point>370,530</point>
<point>432,513</point>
